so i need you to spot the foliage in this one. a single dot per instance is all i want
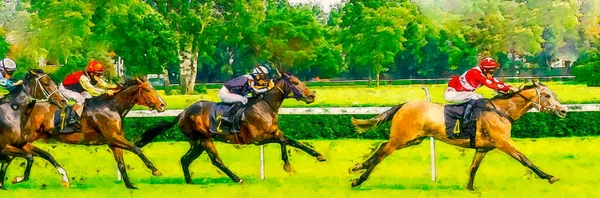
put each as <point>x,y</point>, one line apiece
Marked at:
<point>532,125</point>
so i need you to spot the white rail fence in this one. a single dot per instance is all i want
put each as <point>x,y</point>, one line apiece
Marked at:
<point>340,110</point>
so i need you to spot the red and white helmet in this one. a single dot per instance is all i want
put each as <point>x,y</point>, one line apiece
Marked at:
<point>488,63</point>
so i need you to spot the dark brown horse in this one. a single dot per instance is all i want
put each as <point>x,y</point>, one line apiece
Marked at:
<point>15,108</point>
<point>102,123</point>
<point>414,121</point>
<point>258,126</point>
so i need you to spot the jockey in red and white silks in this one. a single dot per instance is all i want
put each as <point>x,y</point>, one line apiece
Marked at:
<point>461,88</point>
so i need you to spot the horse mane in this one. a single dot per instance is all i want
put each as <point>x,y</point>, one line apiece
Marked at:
<point>510,95</point>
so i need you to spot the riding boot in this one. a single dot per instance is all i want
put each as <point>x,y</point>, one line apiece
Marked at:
<point>469,121</point>
<point>74,120</point>
<point>230,114</point>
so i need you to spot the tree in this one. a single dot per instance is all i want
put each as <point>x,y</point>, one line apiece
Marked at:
<point>290,36</point>
<point>375,40</point>
<point>192,22</point>
<point>135,32</point>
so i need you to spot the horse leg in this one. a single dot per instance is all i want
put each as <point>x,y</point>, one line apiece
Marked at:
<point>45,155</point>
<point>3,167</point>
<point>26,174</point>
<point>121,142</point>
<point>284,156</point>
<point>118,153</point>
<point>506,146</point>
<point>216,160</point>
<point>304,148</point>
<point>382,152</point>
<point>479,154</point>
<point>187,159</point>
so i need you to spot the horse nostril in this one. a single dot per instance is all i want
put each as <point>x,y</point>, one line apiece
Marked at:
<point>563,111</point>
<point>162,105</point>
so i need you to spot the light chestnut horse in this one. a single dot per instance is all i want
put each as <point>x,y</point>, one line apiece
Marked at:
<point>414,121</point>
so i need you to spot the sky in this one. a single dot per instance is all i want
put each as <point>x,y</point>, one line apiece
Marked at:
<point>325,4</point>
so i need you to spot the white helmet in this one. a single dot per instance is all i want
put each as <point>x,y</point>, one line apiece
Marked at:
<point>8,64</point>
<point>257,70</point>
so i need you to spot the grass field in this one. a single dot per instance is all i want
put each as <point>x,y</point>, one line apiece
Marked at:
<point>361,96</point>
<point>405,173</point>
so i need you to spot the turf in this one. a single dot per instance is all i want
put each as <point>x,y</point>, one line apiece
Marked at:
<point>405,173</point>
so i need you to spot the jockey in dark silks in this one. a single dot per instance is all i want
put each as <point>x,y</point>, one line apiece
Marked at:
<point>236,90</point>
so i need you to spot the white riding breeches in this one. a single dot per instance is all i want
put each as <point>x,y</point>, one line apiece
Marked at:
<point>457,97</point>
<point>72,95</point>
<point>229,97</point>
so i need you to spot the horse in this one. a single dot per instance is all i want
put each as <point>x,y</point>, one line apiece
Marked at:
<point>15,107</point>
<point>414,121</point>
<point>101,123</point>
<point>258,125</point>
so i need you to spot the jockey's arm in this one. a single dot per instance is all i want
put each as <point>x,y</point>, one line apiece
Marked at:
<point>6,83</point>
<point>258,89</point>
<point>91,89</point>
<point>493,84</point>
<point>103,84</point>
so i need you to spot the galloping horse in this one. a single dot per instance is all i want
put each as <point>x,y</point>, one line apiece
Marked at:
<point>414,121</point>
<point>15,108</point>
<point>258,126</point>
<point>102,123</point>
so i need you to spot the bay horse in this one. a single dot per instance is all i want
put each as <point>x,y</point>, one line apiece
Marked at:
<point>259,125</point>
<point>101,123</point>
<point>414,121</point>
<point>15,107</point>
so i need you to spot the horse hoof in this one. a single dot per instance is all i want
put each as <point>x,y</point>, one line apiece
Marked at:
<point>470,188</point>
<point>132,187</point>
<point>355,183</point>
<point>156,173</point>
<point>17,180</point>
<point>320,158</point>
<point>242,182</point>
<point>66,184</point>
<point>553,179</point>
<point>287,168</point>
<point>355,168</point>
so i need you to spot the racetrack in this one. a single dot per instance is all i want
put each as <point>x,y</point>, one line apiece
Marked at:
<point>404,173</point>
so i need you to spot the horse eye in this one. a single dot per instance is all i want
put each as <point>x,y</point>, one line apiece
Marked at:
<point>548,96</point>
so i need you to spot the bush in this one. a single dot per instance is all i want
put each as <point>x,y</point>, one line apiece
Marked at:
<point>532,125</point>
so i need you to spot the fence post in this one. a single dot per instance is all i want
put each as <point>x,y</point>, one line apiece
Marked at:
<point>431,142</point>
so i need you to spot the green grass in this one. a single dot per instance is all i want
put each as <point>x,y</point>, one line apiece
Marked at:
<point>405,173</point>
<point>362,96</point>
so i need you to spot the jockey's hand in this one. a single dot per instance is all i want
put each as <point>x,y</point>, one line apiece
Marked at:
<point>271,84</point>
<point>20,82</point>
<point>513,89</point>
<point>110,92</point>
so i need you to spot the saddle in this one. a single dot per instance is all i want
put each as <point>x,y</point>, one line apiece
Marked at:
<point>220,126</point>
<point>62,118</point>
<point>461,119</point>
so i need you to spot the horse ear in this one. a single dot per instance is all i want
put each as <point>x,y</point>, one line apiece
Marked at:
<point>139,81</point>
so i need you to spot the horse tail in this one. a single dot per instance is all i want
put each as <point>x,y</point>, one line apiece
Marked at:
<point>364,125</point>
<point>156,130</point>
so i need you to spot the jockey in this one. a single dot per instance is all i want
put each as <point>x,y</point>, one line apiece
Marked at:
<point>236,90</point>
<point>461,88</point>
<point>7,68</point>
<point>83,85</point>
